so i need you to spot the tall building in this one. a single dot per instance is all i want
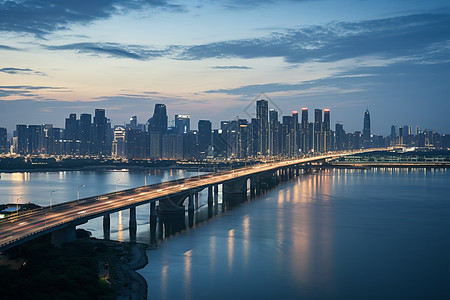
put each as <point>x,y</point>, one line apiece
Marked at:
<point>366,130</point>
<point>3,140</point>
<point>340,137</point>
<point>328,137</point>
<point>182,124</point>
<point>133,122</point>
<point>256,144</point>
<point>22,138</point>
<point>318,131</point>
<point>99,133</point>
<point>35,139</point>
<point>159,119</point>
<point>274,126</point>
<point>204,137</point>
<point>119,142</point>
<point>85,134</point>
<point>304,140</point>
<point>326,119</point>
<point>136,143</point>
<point>262,113</point>
<point>71,133</point>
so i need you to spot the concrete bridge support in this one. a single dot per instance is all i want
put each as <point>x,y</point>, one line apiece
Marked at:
<point>172,204</point>
<point>106,227</point>
<point>252,186</point>
<point>133,224</point>
<point>196,200</point>
<point>210,195</point>
<point>237,186</point>
<point>153,219</point>
<point>191,202</point>
<point>64,235</point>
<point>216,194</point>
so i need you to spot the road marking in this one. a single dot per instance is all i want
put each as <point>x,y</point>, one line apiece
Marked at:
<point>108,202</point>
<point>131,199</point>
<point>81,212</point>
<point>159,190</point>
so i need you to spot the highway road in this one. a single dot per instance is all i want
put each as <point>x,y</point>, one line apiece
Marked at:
<point>20,227</point>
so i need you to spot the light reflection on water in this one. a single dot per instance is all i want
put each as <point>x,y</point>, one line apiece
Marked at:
<point>337,234</point>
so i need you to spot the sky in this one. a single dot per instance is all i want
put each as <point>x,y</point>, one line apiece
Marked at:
<point>211,59</point>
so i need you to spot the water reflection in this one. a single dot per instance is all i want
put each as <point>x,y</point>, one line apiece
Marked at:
<point>230,245</point>
<point>187,274</point>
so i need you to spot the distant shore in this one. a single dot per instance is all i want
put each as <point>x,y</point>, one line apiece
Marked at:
<point>49,164</point>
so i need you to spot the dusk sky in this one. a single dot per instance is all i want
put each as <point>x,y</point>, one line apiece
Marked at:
<point>210,59</point>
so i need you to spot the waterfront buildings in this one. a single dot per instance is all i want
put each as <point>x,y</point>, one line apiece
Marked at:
<point>262,136</point>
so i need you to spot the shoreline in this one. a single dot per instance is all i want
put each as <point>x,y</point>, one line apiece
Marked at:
<point>126,282</point>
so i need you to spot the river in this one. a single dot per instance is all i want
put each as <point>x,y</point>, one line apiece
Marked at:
<point>358,234</point>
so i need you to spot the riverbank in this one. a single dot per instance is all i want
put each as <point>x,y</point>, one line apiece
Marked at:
<point>118,263</point>
<point>126,282</point>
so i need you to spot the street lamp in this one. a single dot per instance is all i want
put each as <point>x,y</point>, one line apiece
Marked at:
<point>51,192</point>
<point>83,185</point>
<point>17,204</point>
<point>116,184</point>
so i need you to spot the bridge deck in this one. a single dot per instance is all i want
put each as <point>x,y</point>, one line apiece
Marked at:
<point>18,229</point>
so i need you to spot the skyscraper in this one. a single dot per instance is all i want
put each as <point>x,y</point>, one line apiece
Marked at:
<point>304,141</point>
<point>71,133</point>
<point>304,118</point>
<point>274,125</point>
<point>22,138</point>
<point>204,137</point>
<point>366,130</point>
<point>85,136</point>
<point>159,119</point>
<point>326,119</point>
<point>3,140</point>
<point>182,124</point>
<point>262,113</point>
<point>328,137</point>
<point>99,134</point>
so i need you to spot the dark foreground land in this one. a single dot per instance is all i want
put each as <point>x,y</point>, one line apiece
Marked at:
<point>85,269</point>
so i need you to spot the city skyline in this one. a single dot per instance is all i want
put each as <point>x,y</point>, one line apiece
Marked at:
<point>172,120</point>
<point>268,134</point>
<point>208,58</point>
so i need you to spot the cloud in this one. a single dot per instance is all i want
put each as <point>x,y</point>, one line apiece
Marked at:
<point>231,67</point>
<point>20,71</point>
<point>113,50</point>
<point>390,37</point>
<point>248,4</point>
<point>40,17</point>
<point>4,47</point>
<point>26,91</point>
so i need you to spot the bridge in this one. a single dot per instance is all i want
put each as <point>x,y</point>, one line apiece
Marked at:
<point>61,220</point>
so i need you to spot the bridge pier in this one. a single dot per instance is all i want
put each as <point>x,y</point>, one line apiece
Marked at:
<point>252,187</point>
<point>210,195</point>
<point>64,235</point>
<point>191,202</point>
<point>133,224</point>
<point>216,194</point>
<point>153,219</point>
<point>106,227</point>
<point>196,200</point>
<point>237,186</point>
